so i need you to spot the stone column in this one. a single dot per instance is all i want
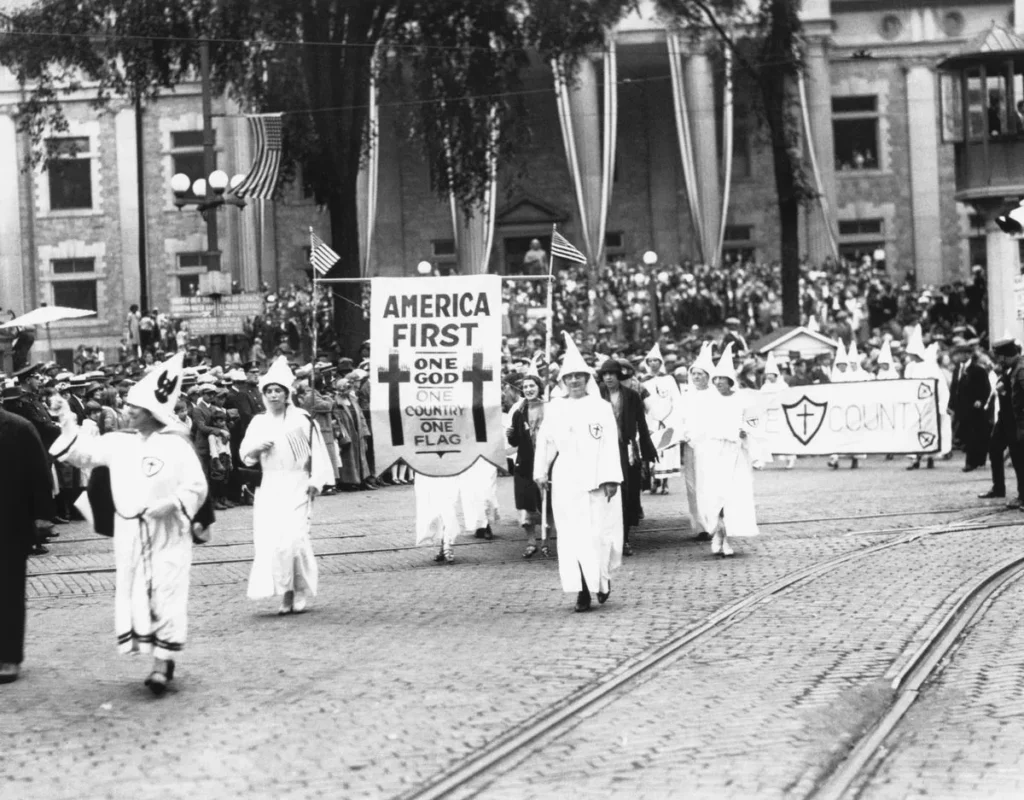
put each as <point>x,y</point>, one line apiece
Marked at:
<point>819,99</point>
<point>700,94</point>
<point>128,209</point>
<point>11,284</point>
<point>1003,268</point>
<point>924,173</point>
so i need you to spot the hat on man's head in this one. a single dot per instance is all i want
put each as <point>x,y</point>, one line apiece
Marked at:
<point>10,393</point>
<point>1007,346</point>
<point>236,375</point>
<point>27,372</point>
<point>345,365</point>
<point>159,391</point>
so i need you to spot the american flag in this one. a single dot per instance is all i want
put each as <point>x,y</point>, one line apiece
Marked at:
<point>262,177</point>
<point>563,248</point>
<point>321,256</point>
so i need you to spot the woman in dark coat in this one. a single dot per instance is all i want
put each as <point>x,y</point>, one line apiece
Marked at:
<point>635,445</point>
<point>522,434</point>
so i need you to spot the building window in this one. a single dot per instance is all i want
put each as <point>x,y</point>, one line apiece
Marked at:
<point>445,258</point>
<point>862,238</point>
<point>860,227</point>
<point>190,266</point>
<point>70,173</point>
<point>977,251</point>
<point>68,266</point>
<point>855,129</point>
<point>738,244</point>
<point>65,359</point>
<point>614,245</point>
<point>75,294</point>
<point>187,155</point>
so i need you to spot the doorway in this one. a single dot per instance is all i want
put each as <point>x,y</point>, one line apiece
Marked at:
<point>516,248</point>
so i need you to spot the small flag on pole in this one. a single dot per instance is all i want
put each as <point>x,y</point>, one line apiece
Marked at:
<point>563,248</point>
<point>321,256</point>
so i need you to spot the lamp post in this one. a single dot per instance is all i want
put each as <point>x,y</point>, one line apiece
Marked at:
<point>650,259</point>
<point>424,268</point>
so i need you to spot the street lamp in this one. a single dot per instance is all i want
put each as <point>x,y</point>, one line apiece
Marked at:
<point>209,193</point>
<point>424,268</point>
<point>650,258</point>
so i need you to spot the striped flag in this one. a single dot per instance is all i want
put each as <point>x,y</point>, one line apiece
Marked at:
<point>262,176</point>
<point>563,248</point>
<point>321,256</point>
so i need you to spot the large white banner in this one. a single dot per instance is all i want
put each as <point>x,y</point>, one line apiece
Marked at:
<point>900,416</point>
<point>435,372</point>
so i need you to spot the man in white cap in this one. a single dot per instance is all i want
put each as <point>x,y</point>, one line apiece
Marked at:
<point>157,487</point>
<point>664,411</point>
<point>579,438</point>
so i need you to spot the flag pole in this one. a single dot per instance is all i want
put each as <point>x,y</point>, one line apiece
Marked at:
<point>316,304</point>
<point>549,323</point>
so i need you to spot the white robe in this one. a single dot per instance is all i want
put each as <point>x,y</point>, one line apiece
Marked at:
<point>478,495</point>
<point>694,402</point>
<point>664,412</point>
<point>581,437</point>
<point>439,500</point>
<point>284,559</point>
<point>726,484</point>
<point>152,554</point>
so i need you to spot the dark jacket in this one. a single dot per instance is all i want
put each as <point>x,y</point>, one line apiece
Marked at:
<point>202,429</point>
<point>25,476</point>
<point>1015,390</point>
<point>633,424</point>
<point>519,437</point>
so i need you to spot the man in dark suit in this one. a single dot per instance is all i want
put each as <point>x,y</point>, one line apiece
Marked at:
<point>202,429</point>
<point>1011,411</point>
<point>248,402</point>
<point>635,445</point>
<point>969,407</point>
<point>25,476</point>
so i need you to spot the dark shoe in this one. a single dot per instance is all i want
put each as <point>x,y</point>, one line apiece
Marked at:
<point>990,494</point>
<point>367,485</point>
<point>931,463</point>
<point>9,673</point>
<point>157,683</point>
<point>583,601</point>
<point>51,534</point>
<point>915,465</point>
<point>1013,504</point>
<point>602,596</point>
<point>480,533</point>
<point>39,550</point>
<point>488,533</point>
<point>170,670</point>
<point>854,463</point>
<point>328,491</point>
<point>968,469</point>
<point>703,536</point>
<point>627,549</point>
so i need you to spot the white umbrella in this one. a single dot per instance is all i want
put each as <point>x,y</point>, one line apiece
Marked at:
<point>44,315</point>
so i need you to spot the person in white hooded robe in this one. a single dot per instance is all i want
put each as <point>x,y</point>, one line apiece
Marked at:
<point>694,404</point>
<point>924,363</point>
<point>578,453</point>
<point>727,479</point>
<point>448,504</point>
<point>663,405</point>
<point>772,388</point>
<point>843,373</point>
<point>157,487</point>
<point>287,444</point>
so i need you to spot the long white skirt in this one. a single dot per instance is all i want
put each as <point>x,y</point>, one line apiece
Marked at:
<point>589,532</point>
<point>284,560</point>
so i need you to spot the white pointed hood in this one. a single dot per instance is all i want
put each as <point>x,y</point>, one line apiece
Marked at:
<point>885,354</point>
<point>931,354</point>
<point>725,368</point>
<point>656,353</point>
<point>915,342</point>
<point>771,367</point>
<point>852,356</point>
<point>280,374</point>
<point>704,361</point>
<point>159,390</point>
<point>573,361</point>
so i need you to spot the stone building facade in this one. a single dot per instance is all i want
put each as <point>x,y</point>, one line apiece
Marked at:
<point>71,236</point>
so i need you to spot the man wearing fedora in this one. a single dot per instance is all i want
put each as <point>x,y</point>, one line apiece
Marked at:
<point>27,497</point>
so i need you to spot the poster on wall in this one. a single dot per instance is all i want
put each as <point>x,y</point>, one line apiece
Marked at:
<point>435,372</point>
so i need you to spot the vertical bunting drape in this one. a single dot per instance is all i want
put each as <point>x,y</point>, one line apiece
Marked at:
<point>683,131</point>
<point>474,233</point>
<point>589,134</point>
<point>727,144</point>
<point>813,158</point>
<point>250,230</point>
<point>369,173</point>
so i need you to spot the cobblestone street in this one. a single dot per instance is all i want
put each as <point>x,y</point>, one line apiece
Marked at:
<point>404,670</point>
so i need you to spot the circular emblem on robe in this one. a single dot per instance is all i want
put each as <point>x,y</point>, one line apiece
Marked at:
<point>596,430</point>
<point>151,466</point>
<point>661,391</point>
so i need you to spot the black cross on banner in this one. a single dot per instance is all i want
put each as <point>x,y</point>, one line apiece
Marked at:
<point>394,377</point>
<point>477,375</point>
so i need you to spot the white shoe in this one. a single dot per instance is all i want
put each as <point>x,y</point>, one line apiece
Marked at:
<point>726,547</point>
<point>716,543</point>
<point>300,603</point>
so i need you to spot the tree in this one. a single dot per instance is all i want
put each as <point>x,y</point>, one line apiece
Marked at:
<point>769,52</point>
<point>461,60</point>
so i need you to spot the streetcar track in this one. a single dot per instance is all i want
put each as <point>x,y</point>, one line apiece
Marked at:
<point>849,777</point>
<point>520,741</point>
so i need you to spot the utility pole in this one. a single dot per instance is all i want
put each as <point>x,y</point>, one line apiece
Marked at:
<point>209,165</point>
